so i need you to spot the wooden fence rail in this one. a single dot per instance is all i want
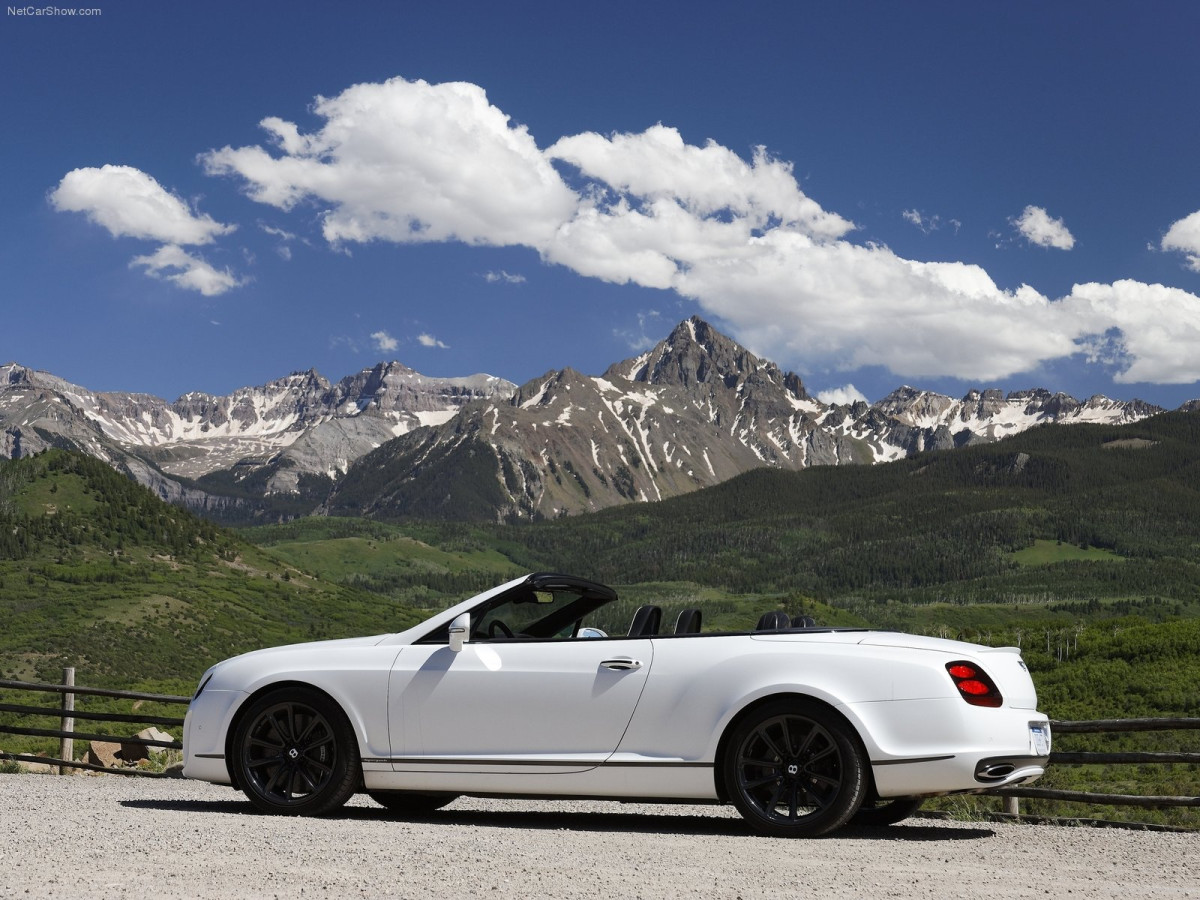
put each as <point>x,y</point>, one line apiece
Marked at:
<point>1108,726</point>
<point>67,714</point>
<point>97,692</point>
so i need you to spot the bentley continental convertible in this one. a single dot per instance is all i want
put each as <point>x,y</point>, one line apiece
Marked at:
<point>527,691</point>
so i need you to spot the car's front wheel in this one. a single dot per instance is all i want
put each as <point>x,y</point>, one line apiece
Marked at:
<point>794,769</point>
<point>295,753</point>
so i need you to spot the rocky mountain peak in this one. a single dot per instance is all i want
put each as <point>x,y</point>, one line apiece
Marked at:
<point>309,379</point>
<point>913,406</point>
<point>13,373</point>
<point>549,388</point>
<point>376,378</point>
<point>991,395</point>
<point>695,353</point>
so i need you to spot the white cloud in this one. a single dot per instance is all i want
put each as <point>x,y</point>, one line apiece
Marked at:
<point>130,203</point>
<point>926,223</point>
<point>277,232</point>
<point>408,161</point>
<point>844,306</point>
<point>338,341</point>
<point>283,249</point>
<point>843,396</point>
<point>1148,331</point>
<point>502,276</point>
<point>1184,236</point>
<point>384,342</point>
<point>712,180</point>
<point>173,263</point>
<point>637,339</point>
<point>1037,227</point>
<point>428,340</point>
<point>664,205</point>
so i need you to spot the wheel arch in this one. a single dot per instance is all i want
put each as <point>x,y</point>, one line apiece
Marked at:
<point>236,721</point>
<point>757,703</point>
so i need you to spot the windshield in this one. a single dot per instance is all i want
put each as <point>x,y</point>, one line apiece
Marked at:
<point>542,607</point>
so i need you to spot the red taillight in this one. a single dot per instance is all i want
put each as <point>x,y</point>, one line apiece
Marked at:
<point>974,684</point>
<point>978,688</point>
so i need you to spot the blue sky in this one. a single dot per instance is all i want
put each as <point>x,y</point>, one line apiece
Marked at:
<point>947,195</point>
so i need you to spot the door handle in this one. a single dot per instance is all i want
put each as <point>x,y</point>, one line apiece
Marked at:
<point>621,665</point>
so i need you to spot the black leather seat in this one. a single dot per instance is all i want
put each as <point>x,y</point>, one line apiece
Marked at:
<point>645,621</point>
<point>688,622</point>
<point>775,620</point>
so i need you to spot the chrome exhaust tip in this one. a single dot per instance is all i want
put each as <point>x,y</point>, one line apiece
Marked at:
<point>994,771</point>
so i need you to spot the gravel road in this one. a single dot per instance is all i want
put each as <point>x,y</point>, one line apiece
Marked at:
<point>112,837</point>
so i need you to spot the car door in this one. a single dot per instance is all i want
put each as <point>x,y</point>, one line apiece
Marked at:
<point>562,704</point>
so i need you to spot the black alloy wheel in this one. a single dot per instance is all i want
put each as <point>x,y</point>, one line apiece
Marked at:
<point>794,769</point>
<point>296,753</point>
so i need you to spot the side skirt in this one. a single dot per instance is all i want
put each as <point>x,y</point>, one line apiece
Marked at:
<point>624,780</point>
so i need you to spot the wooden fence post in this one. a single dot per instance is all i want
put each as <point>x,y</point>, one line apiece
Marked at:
<point>67,747</point>
<point>1012,806</point>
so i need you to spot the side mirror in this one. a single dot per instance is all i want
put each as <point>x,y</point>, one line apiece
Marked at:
<point>459,629</point>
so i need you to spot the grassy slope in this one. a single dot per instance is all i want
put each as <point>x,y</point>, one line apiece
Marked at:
<point>97,573</point>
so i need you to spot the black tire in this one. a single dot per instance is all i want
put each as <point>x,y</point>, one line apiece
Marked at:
<point>877,812</point>
<point>295,753</point>
<point>411,803</point>
<point>793,768</point>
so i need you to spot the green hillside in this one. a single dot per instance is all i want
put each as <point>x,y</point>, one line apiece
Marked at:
<point>427,567</point>
<point>1074,514</point>
<point>97,573</point>
<point>1078,522</point>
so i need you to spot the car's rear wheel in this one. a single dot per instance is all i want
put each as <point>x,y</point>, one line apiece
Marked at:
<point>794,769</point>
<point>411,803</point>
<point>295,753</point>
<point>877,812</point>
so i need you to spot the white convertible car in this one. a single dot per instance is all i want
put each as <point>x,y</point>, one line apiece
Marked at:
<point>514,693</point>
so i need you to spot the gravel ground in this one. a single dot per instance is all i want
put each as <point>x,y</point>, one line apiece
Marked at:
<point>110,836</point>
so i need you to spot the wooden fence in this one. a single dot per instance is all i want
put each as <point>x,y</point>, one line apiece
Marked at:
<point>1108,726</point>
<point>67,714</point>
<point>67,734</point>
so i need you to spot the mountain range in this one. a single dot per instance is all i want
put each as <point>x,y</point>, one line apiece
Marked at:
<point>694,411</point>
<point>290,428</point>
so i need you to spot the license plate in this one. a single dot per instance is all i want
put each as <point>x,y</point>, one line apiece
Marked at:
<point>1039,733</point>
